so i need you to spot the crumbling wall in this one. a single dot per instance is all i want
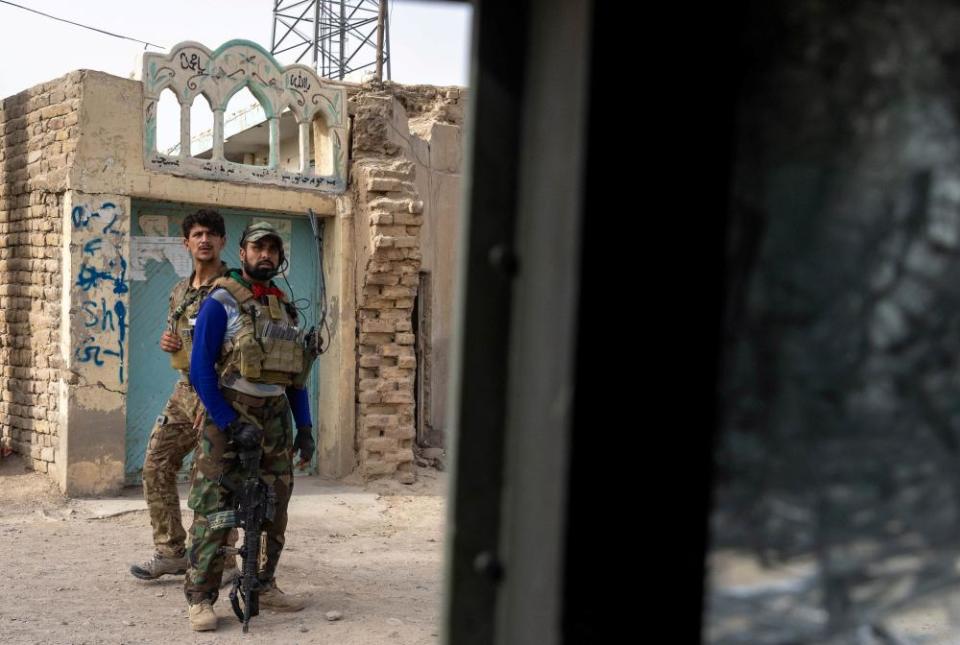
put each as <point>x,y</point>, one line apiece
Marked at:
<point>39,129</point>
<point>440,104</point>
<point>388,217</point>
<point>435,145</point>
<point>387,364</point>
<point>423,125</point>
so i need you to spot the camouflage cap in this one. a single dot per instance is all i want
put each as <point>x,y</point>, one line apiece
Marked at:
<point>258,231</point>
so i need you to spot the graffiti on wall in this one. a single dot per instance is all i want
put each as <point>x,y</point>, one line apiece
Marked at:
<point>101,286</point>
<point>190,69</point>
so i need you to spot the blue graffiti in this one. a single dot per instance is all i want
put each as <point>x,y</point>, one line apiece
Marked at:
<point>94,275</point>
<point>89,351</point>
<point>120,284</point>
<point>90,277</point>
<point>98,315</point>
<point>88,354</point>
<point>81,217</point>
<point>92,315</point>
<point>109,227</point>
<point>121,310</point>
<point>92,246</point>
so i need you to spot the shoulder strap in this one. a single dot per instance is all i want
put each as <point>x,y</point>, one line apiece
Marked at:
<point>239,292</point>
<point>180,300</point>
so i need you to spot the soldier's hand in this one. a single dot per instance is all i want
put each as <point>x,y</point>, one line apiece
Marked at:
<point>313,341</point>
<point>243,433</point>
<point>305,444</point>
<point>170,342</point>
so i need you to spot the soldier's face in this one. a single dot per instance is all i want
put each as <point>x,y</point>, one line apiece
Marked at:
<point>261,259</point>
<point>204,244</point>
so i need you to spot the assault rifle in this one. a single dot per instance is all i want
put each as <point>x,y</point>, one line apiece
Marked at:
<point>256,503</point>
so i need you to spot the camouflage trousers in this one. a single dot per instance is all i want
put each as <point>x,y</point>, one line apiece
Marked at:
<point>216,472</point>
<point>173,436</point>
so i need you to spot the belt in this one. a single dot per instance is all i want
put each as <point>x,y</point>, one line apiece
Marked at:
<point>245,399</point>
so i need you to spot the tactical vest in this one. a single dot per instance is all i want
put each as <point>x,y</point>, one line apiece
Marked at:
<point>181,324</point>
<point>181,319</point>
<point>269,346</point>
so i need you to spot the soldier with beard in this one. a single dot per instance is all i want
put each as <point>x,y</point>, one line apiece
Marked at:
<point>249,366</point>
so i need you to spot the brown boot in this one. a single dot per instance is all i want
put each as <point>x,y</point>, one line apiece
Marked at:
<point>160,565</point>
<point>272,598</point>
<point>202,617</point>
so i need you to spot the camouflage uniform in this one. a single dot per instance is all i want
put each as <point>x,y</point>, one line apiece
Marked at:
<point>175,432</point>
<point>253,354</point>
<point>218,470</point>
<point>172,438</point>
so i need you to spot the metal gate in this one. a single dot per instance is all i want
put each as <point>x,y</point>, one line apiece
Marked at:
<point>158,261</point>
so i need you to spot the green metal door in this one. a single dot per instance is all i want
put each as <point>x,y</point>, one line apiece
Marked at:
<point>157,262</point>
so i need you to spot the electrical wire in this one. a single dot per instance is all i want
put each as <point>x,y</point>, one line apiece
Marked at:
<point>77,24</point>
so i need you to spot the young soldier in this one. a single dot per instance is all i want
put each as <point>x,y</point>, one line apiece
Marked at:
<point>176,431</point>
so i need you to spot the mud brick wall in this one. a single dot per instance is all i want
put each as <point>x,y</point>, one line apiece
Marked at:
<point>39,129</point>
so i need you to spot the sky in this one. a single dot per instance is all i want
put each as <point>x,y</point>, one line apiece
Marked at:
<point>429,41</point>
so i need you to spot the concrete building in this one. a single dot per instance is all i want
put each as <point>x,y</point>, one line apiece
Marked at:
<point>90,213</point>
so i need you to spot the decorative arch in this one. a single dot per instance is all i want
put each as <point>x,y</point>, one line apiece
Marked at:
<point>150,118</point>
<point>190,69</point>
<point>200,103</point>
<point>258,94</point>
<point>323,142</point>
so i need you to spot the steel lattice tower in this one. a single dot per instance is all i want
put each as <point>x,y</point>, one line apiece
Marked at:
<point>341,36</point>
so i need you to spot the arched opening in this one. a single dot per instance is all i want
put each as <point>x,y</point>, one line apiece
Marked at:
<point>246,133</point>
<point>321,148</point>
<point>289,141</point>
<point>201,128</point>
<point>168,123</point>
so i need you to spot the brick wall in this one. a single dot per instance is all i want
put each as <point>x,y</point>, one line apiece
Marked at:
<point>397,157</point>
<point>390,208</point>
<point>39,130</point>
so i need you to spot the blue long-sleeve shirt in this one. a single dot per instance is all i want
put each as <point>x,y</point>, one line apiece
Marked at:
<point>208,334</point>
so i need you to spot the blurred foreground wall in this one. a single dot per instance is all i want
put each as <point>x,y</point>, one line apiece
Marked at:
<point>838,463</point>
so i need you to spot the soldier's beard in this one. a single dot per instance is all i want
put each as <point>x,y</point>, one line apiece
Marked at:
<point>259,273</point>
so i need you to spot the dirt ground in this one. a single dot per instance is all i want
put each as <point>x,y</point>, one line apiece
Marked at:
<point>372,552</point>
